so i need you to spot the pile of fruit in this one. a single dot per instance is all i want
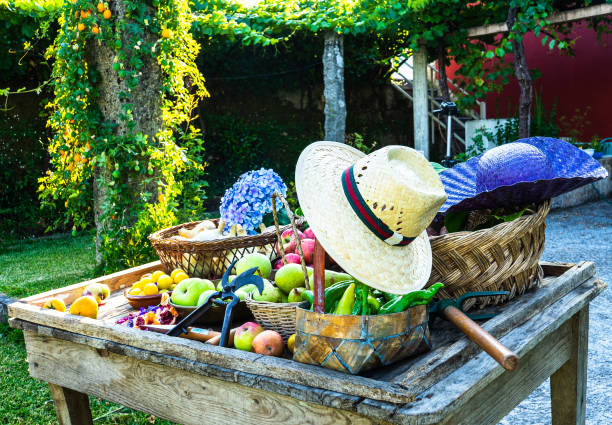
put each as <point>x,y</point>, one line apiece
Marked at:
<point>352,297</point>
<point>86,305</point>
<point>252,337</point>
<point>157,282</point>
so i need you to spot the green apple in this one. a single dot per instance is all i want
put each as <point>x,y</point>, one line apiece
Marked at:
<point>249,288</point>
<point>270,293</point>
<point>188,291</point>
<point>245,334</point>
<point>204,296</point>
<point>288,277</point>
<point>284,298</point>
<point>255,259</point>
<point>241,294</point>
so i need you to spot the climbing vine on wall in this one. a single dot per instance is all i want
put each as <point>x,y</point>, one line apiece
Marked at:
<point>143,178</point>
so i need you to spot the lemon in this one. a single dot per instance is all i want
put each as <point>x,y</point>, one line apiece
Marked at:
<point>164,281</point>
<point>173,286</point>
<point>135,291</point>
<point>147,280</point>
<point>179,277</point>
<point>156,275</point>
<point>175,272</point>
<point>149,289</point>
<point>139,285</point>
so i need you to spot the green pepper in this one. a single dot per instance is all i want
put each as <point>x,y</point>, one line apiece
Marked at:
<point>405,301</point>
<point>364,300</point>
<point>373,303</point>
<point>334,293</point>
<point>389,297</point>
<point>345,305</point>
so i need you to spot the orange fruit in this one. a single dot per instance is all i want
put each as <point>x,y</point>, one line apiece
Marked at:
<point>164,282</point>
<point>149,289</point>
<point>95,29</point>
<point>55,304</point>
<point>81,26</point>
<point>175,272</point>
<point>86,306</point>
<point>179,277</point>
<point>165,33</point>
<point>107,14</point>
<point>101,7</point>
<point>84,14</point>
<point>156,274</point>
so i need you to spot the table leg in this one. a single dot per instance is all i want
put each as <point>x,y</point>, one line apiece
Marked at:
<point>71,407</point>
<point>568,384</point>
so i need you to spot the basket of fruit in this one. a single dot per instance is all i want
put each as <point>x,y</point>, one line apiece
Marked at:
<point>148,290</point>
<point>206,248</point>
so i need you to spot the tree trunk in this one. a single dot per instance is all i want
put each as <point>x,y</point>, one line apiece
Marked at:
<point>146,113</point>
<point>442,79</point>
<point>333,91</point>
<point>522,75</point>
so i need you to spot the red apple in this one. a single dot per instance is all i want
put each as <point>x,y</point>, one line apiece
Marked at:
<point>293,258</point>
<point>288,241</point>
<point>246,334</point>
<point>308,249</point>
<point>278,264</point>
<point>269,343</point>
<point>309,234</point>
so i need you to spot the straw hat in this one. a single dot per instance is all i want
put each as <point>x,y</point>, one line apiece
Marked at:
<point>520,173</point>
<point>370,212</point>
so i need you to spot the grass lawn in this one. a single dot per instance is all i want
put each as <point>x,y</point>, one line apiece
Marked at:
<point>27,268</point>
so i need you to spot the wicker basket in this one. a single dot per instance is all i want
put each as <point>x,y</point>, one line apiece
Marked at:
<point>504,257</point>
<point>210,259</point>
<point>279,317</point>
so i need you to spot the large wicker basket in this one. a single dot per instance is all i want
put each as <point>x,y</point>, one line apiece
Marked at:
<point>504,257</point>
<point>210,259</point>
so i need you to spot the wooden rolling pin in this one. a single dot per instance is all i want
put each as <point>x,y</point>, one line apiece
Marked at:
<point>502,354</point>
<point>198,334</point>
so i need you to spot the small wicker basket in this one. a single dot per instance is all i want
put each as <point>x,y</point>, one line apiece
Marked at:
<point>504,257</point>
<point>210,259</point>
<point>279,317</point>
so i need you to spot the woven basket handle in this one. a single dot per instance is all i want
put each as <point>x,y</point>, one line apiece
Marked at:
<point>291,216</point>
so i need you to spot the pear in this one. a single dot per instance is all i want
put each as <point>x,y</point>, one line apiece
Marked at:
<point>270,293</point>
<point>331,277</point>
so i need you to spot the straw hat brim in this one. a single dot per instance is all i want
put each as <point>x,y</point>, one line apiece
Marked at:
<point>393,269</point>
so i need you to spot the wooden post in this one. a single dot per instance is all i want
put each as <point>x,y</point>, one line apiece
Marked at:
<point>568,384</point>
<point>318,287</point>
<point>420,108</point>
<point>71,407</point>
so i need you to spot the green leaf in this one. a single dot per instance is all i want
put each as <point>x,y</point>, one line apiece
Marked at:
<point>551,45</point>
<point>490,54</point>
<point>510,217</point>
<point>454,220</point>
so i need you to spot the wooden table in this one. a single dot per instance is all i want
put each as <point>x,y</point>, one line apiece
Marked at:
<point>193,383</point>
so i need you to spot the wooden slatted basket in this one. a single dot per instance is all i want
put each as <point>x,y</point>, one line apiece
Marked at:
<point>504,257</point>
<point>210,259</point>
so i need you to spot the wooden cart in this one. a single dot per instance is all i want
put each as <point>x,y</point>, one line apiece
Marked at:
<point>194,383</point>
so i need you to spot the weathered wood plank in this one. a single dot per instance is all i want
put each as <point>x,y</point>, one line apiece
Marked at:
<point>300,392</point>
<point>568,384</point>
<point>168,392</point>
<point>499,397</point>
<point>274,367</point>
<point>555,269</point>
<point>433,366</point>
<point>71,407</point>
<point>455,390</point>
<point>115,281</point>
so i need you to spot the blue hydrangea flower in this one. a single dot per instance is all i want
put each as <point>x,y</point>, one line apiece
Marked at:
<point>249,199</point>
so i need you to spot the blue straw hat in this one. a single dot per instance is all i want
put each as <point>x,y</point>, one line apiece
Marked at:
<point>520,173</point>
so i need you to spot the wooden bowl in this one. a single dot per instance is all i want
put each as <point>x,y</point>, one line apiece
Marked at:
<point>215,315</point>
<point>142,301</point>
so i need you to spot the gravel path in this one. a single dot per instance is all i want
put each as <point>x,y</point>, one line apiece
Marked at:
<point>581,233</point>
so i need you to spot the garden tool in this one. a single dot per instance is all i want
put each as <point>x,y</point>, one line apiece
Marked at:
<point>449,109</point>
<point>453,311</point>
<point>219,298</point>
<point>198,334</point>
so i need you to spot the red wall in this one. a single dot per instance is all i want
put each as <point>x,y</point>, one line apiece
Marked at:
<point>573,82</point>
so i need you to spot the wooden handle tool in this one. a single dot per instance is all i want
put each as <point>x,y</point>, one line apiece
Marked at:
<point>502,355</point>
<point>197,334</point>
<point>215,340</point>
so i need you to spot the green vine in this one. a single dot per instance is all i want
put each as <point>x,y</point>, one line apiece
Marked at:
<point>147,181</point>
